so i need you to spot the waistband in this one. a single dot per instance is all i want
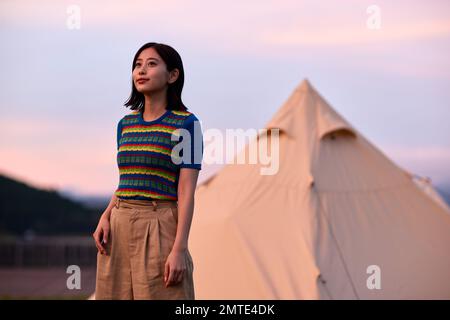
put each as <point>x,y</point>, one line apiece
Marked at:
<point>144,204</point>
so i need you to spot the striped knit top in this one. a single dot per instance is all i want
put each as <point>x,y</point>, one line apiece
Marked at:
<point>151,153</point>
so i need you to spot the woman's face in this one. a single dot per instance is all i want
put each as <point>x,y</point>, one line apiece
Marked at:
<point>150,72</point>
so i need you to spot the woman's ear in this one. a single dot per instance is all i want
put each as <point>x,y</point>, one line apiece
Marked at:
<point>173,75</point>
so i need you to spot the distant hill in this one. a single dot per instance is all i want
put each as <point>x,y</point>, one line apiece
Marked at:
<point>92,202</point>
<point>444,191</point>
<point>24,208</point>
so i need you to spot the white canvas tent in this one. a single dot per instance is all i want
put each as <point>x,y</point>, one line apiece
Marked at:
<point>424,183</point>
<point>336,208</point>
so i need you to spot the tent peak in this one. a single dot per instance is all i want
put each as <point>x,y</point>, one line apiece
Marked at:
<point>305,85</point>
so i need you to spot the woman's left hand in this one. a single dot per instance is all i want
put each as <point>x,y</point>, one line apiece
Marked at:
<point>175,267</point>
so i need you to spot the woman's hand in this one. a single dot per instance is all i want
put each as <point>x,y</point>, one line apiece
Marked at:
<point>101,234</point>
<point>175,267</point>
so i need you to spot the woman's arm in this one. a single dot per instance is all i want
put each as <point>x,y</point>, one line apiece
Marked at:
<point>107,213</point>
<point>186,190</point>
<point>176,263</point>
<point>101,233</point>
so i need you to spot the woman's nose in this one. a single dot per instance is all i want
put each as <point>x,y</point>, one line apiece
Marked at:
<point>142,70</point>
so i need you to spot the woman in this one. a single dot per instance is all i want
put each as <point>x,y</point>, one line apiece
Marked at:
<point>142,236</point>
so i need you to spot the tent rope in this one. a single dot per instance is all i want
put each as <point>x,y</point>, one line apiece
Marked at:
<point>341,256</point>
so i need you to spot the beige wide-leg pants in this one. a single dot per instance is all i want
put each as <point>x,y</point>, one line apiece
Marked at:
<point>141,237</point>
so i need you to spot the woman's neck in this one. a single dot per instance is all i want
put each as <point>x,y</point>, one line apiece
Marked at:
<point>155,106</point>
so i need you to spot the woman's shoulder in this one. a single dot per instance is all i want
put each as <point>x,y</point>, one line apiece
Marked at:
<point>175,116</point>
<point>132,114</point>
<point>186,116</point>
<point>183,114</point>
<point>130,117</point>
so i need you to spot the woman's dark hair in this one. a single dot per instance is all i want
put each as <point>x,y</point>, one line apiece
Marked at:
<point>172,59</point>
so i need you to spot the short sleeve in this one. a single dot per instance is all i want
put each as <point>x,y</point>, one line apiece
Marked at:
<point>192,124</point>
<point>119,133</point>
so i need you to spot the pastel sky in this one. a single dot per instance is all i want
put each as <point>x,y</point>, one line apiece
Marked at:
<point>62,89</point>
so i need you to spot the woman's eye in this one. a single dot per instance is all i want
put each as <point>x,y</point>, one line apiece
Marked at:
<point>150,63</point>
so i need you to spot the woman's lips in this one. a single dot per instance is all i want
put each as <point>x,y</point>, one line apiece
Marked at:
<point>142,81</point>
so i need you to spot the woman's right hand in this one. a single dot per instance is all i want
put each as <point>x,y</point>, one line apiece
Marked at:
<point>101,234</point>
